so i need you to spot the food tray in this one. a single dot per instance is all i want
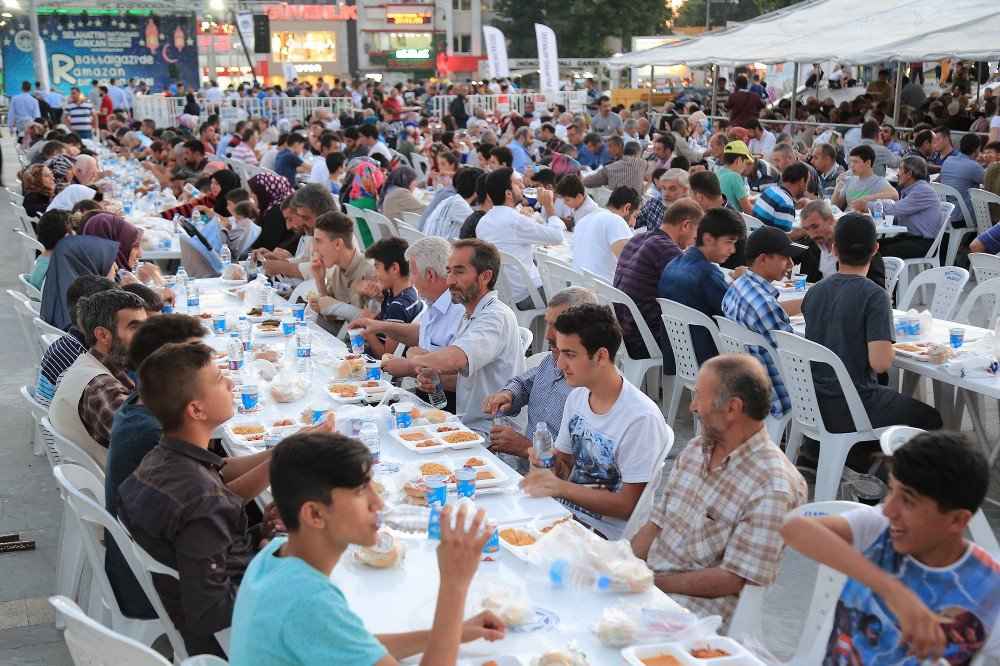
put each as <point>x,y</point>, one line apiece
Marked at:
<point>430,433</point>
<point>267,425</point>
<point>362,393</point>
<point>495,660</point>
<point>267,333</point>
<point>739,656</point>
<point>413,469</point>
<point>256,318</point>
<point>534,528</point>
<point>903,349</point>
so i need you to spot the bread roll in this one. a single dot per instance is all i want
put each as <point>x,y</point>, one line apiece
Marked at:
<point>387,551</point>
<point>434,416</point>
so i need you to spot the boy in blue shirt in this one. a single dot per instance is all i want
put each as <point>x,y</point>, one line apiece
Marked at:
<point>289,612</point>
<point>399,300</point>
<point>916,588</point>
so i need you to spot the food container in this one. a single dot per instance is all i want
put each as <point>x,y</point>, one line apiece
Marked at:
<point>956,336</point>
<point>403,413</point>
<point>908,326</point>
<point>437,489</point>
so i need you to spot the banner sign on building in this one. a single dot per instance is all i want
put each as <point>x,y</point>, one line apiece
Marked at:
<point>156,49</point>
<point>496,52</point>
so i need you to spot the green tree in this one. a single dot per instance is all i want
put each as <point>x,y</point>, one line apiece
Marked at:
<point>692,12</point>
<point>581,26</point>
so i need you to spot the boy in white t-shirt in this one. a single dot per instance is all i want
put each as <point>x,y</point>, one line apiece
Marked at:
<point>916,588</point>
<point>598,238</point>
<point>612,435</point>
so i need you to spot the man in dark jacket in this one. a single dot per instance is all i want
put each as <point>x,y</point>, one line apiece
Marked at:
<point>818,261</point>
<point>457,107</point>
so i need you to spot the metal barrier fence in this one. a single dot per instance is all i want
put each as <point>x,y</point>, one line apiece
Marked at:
<point>165,110</point>
<point>499,105</point>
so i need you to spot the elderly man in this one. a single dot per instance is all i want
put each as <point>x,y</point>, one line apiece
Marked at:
<point>486,352</point>
<point>606,123</point>
<point>428,259</point>
<point>717,527</point>
<point>716,148</point>
<point>819,260</point>
<point>861,185</point>
<point>84,170</point>
<point>918,209</point>
<point>673,185</point>
<point>824,160</point>
<point>541,390</point>
<point>679,130</point>
<point>90,392</point>
<point>612,435</point>
<point>627,170</point>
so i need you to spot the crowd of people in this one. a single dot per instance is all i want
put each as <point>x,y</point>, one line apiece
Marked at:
<point>142,393</point>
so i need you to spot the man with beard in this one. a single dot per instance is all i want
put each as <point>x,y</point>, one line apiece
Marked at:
<point>487,350</point>
<point>717,527</point>
<point>90,392</point>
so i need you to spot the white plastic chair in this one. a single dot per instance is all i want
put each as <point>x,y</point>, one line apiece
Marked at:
<point>981,200</point>
<point>29,246</point>
<point>677,322</point>
<point>412,219</point>
<point>979,526</point>
<point>526,338</point>
<point>38,412</point>
<point>819,617</point>
<point>644,507</point>
<point>600,195</point>
<point>421,165</point>
<point>409,234</point>
<point>933,257</point>
<point>894,267</point>
<point>386,227</point>
<point>69,451</point>
<point>84,494</point>
<point>526,318</point>
<point>556,275</point>
<point>357,216</point>
<point>796,356</point>
<point>753,224</point>
<point>204,660</point>
<point>947,282</point>
<point>535,360</point>
<point>736,339</point>
<point>47,340</point>
<point>948,194</point>
<point>984,266</point>
<point>591,279</point>
<point>45,328</point>
<point>989,293</point>
<point>26,315</point>
<point>635,370</point>
<point>93,644</point>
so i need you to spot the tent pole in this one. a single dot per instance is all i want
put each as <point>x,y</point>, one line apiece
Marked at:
<point>899,92</point>
<point>715,88</point>
<point>795,90</point>
<point>652,78</point>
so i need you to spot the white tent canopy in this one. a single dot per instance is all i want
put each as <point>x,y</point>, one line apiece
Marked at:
<point>841,30</point>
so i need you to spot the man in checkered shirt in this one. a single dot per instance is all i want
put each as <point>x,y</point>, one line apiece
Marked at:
<point>717,526</point>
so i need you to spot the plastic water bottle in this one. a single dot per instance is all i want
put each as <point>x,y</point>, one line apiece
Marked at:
<point>419,521</point>
<point>543,446</point>
<point>243,327</point>
<point>267,302</point>
<point>566,575</point>
<point>437,398</point>
<point>193,302</point>
<point>235,352</point>
<point>303,346</point>
<point>192,190</point>
<point>225,257</point>
<point>370,437</point>
<point>878,211</point>
<point>182,282</point>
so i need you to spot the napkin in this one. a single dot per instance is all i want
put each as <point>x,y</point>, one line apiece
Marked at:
<point>972,365</point>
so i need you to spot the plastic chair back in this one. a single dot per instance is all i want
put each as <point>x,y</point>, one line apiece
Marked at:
<point>412,219</point>
<point>752,222</point>
<point>600,195</point>
<point>204,660</point>
<point>421,165</point>
<point>357,216</point>
<point>71,452</point>
<point>197,260</point>
<point>893,269</point>
<point>31,290</point>
<point>526,337</point>
<point>614,296</point>
<point>948,194</point>
<point>644,507</point>
<point>984,266</point>
<point>45,328</point>
<point>535,360</point>
<point>387,228</point>
<point>677,322</point>
<point>26,315</point>
<point>989,293</point>
<point>93,644</point>
<point>512,264</point>
<point>948,283</point>
<point>409,234</point>
<point>981,200</point>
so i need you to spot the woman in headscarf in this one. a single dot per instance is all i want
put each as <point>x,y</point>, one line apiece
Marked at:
<point>220,184</point>
<point>38,187</point>
<point>191,106</point>
<point>366,185</point>
<point>269,190</point>
<point>73,257</point>
<point>127,235</point>
<point>61,167</point>
<point>397,197</point>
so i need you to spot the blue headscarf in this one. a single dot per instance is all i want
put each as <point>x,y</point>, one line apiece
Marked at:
<point>73,257</point>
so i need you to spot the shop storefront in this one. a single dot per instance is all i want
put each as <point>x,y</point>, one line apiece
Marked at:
<point>313,38</point>
<point>399,39</point>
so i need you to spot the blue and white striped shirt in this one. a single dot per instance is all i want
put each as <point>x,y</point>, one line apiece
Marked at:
<point>543,390</point>
<point>776,208</point>
<point>57,359</point>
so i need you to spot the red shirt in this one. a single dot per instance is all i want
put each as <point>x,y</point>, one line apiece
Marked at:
<point>107,109</point>
<point>743,105</point>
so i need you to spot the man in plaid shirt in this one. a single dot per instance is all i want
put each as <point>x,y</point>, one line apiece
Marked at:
<point>753,301</point>
<point>717,526</point>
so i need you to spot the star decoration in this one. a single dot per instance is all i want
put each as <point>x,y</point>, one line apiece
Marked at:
<point>162,36</point>
<point>142,42</point>
<point>190,42</point>
<point>6,41</point>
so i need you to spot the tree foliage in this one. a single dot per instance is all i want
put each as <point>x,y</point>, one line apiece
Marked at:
<point>692,12</point>
<point>581,26</point>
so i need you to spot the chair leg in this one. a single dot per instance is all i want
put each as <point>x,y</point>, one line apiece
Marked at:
<point>794,442</point>
<point>832,456</point>
<point>675,401</point>
<point>69,570</point>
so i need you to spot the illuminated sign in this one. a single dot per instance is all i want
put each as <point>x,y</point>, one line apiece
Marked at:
<point>408,18</point>
<point>287,12</point>
<point>413,54</point>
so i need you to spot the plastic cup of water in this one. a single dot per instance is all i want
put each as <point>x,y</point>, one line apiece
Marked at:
<point>357,338</point>
<point>800,282</point>
<point>250,396</point>
<point>288,326</point>
<point>956,336</point>
<point>437,489</point>
<point>373,371</point>
<point>465,478</point>
<point>299,311</point>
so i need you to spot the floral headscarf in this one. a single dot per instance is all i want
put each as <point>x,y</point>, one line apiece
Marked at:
<point>368,179</point>
<point>31,180</point>
<point>61,167</point>
<point>270,190</point>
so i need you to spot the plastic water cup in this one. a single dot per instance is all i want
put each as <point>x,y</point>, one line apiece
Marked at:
<point>299,311</point>
<point>800,282</point>
<point>437,489</point>
<point>956,336</point>
<point>318,412</point>
<point>492,546</point>
<point>465,478</point>
<point>219,323</point>
<point>250,396</point>
<point>373,371</point>
<point>357,338</point>
<point>288,326</point>
<point>403,412</point>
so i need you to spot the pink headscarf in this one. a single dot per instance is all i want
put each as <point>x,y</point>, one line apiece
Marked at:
<point>112,227</point>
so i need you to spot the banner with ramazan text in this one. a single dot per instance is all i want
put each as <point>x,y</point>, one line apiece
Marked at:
<point>548,59</point>
<point>496,52</point>
<point>82,47</point>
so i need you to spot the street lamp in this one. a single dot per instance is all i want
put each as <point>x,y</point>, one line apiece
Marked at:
<point>708,11</point>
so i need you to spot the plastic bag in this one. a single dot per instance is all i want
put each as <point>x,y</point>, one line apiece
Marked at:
<point>571,656</point>
<point>258,371</point>
<point>388,551</point>
<point>253,295</point>
<point>652,622</point>
<point>287,386</point>
<point>574,544</point>
<point>507,598</point>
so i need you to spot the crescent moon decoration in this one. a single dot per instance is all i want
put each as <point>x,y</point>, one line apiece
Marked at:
<point>165,56</point>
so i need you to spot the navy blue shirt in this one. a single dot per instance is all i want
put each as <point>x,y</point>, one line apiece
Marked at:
<point>134,433</point>
<point>285,164</point>
<point>696,282</point>
<point>402,308</point>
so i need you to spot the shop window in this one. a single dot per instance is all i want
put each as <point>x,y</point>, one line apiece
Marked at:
<point>462,4</point>
<point>304,46</point>
<point>462,43</point>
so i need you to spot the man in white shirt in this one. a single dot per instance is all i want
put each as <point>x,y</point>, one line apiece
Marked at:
<point>612,435</point>
<point>328,143</point>
<point>446,219</point>
<point>487,350</point>
<point>515,231</point>
<point>573,193</point>
<point>369,139</point>
<point>762,141</point>
<point>600,237</point>
<point>213,96</point>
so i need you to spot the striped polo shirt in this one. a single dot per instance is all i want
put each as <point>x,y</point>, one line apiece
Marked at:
<point>775,207</point>
<point>80,116</point>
